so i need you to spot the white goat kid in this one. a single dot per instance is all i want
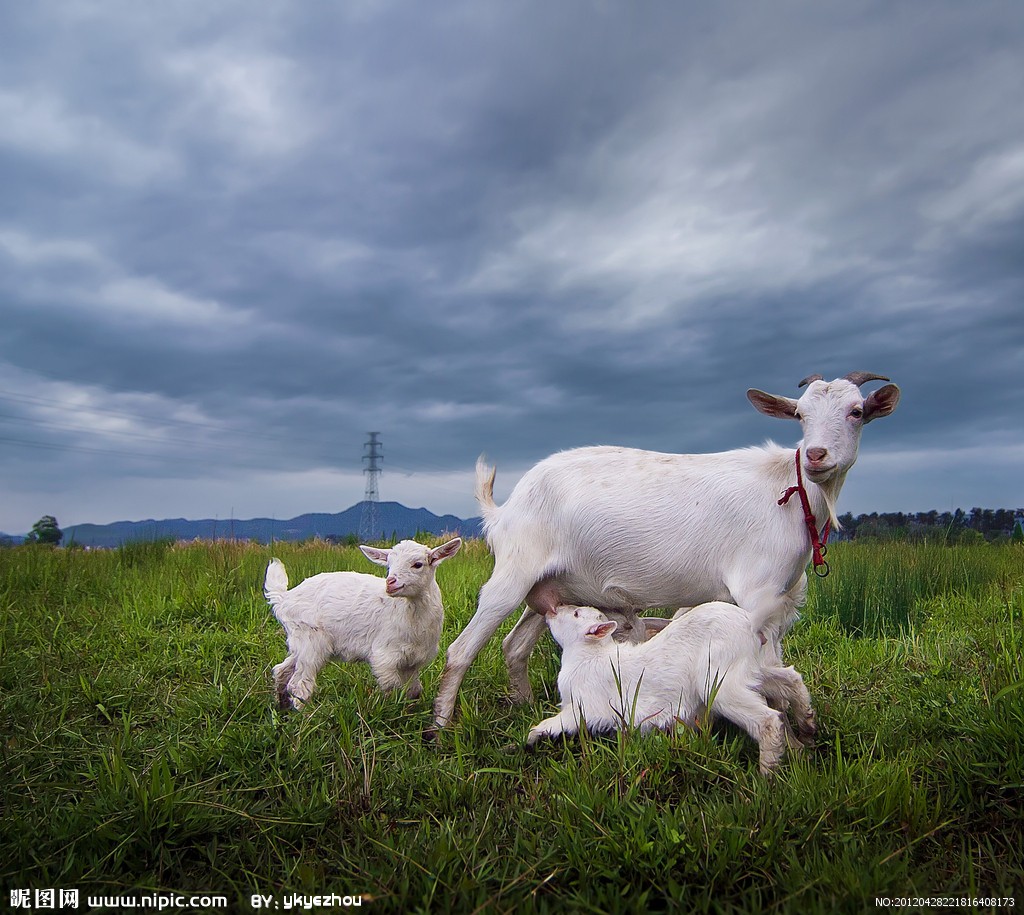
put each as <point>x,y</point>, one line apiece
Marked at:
<point>619,527</point>
<point>392,623</point>
<point>708,660</point>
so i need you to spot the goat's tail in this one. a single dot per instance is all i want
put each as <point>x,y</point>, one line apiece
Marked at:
<point>484,490</point>
<point>276,584</point>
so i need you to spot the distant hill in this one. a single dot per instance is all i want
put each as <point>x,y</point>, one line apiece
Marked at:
<point>394,521</point>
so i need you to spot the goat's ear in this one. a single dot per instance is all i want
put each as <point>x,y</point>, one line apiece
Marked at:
<point>601,630</point>
<point>881,402</point>
<point>442,552</point>
<point>374,555</point>
<point>772,404</point>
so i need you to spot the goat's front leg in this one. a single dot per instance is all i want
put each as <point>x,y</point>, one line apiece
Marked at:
<point>499,597</point>
<point>391,677</point>
<point>411,682</point>
<point>549,728</point>
<point>414,688</point>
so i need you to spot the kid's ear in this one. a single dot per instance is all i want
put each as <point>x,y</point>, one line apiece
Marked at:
<point>374,555</point>
<point>601,630</point>
<point>442,552</point>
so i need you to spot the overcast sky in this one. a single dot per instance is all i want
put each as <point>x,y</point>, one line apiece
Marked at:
<point>236,237</point>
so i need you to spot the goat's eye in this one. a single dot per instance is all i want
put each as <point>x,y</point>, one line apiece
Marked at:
<point>856,413</point>
<point>417,565</point>
<point>576,613</point>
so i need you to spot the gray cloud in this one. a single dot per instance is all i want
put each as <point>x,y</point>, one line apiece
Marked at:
<point>234,240</point>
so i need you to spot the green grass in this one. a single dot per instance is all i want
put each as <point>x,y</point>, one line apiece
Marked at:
<point>139,748</point>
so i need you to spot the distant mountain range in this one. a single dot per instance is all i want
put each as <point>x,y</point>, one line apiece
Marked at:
<point>394,521</point>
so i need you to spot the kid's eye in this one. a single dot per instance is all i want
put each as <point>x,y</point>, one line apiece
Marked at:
<point>856,413</point>
<point>417,565</point>
<point>576,613</point>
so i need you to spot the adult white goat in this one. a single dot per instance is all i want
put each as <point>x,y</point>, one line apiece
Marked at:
<point>619,527</point>
<point>393,623</point>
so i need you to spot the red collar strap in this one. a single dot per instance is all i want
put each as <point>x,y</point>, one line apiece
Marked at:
<point>818,548</point>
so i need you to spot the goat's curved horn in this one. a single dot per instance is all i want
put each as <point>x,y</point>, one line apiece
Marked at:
<point>859,378</point>
<point>809,379</point>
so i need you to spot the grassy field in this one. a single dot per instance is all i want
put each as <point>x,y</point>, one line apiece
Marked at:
<point>139,749</point>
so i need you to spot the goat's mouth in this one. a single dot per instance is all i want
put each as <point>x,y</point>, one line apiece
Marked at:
<point>393,589</point>
<point>820,474</point>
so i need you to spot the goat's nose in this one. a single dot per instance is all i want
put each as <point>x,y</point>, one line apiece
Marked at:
<point>816,455</point>
<point>390,580</point>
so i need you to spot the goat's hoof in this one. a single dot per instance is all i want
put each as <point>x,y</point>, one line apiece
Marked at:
<point>430,735</point>
<point>807,731</point>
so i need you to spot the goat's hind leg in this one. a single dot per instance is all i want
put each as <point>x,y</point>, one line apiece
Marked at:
<point>282,674</point>
<point>498,598</point>
<point>749,710</point>
<point>785,686</point>
<point>302,682</point>
<point>517,647</point>
<point>307,655</point>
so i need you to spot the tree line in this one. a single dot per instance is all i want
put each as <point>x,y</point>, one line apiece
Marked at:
<point>975,526</point>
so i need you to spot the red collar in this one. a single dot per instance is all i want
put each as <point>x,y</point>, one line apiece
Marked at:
<point>818,548</point>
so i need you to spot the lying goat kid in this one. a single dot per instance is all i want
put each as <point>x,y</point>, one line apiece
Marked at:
<point>394,624</point>
<point>709,659</point>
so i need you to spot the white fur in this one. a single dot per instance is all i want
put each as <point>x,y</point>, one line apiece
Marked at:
<point>709,659</point>
<point>394,624</point>
<point>618,527</point>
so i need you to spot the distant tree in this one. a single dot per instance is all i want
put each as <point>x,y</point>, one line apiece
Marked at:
<point>875,528</point>
<point>848,524</point>
<point>45,531</point>
<point>957,523</point>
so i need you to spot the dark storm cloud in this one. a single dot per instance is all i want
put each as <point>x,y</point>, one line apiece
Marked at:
<point>234,240</point>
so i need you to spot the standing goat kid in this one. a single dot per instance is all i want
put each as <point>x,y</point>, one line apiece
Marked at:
<point>708,660</point>
<point>392,623</point>
<point>620,527</point>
